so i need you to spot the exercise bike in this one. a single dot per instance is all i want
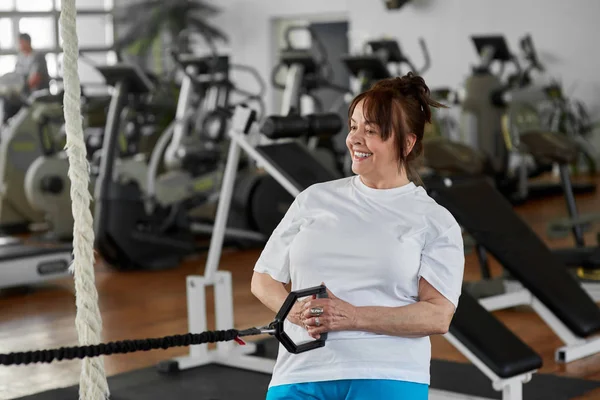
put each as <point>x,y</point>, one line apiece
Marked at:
<point>483,124</point>
<point>47,185</point>
<point>20,146</point>
<point>562,150</point>
<point>25,262</point>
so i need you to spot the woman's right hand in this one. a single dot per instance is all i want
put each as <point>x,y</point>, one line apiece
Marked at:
<point>295,314</point>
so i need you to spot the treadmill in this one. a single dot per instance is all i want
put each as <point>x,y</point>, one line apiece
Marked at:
<point>24,263</point>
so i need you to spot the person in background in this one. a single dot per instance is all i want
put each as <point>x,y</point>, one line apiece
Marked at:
<point>32,67</point>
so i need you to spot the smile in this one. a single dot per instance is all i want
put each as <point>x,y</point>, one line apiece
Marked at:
<point>359,155</point>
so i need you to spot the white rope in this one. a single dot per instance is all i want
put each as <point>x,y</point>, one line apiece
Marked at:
<point>92,381</point>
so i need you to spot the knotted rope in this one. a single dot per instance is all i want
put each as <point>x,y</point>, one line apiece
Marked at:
<point>93,384</point>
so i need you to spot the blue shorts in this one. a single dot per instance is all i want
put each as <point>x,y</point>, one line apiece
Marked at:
<point>352,389</point>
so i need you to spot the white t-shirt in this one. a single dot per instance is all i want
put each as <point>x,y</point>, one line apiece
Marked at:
<point>370,247</point>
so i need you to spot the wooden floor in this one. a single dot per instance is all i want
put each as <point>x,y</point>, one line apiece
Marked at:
<point>144,304</point>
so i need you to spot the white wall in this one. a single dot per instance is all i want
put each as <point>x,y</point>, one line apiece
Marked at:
<point>249,24</point>
<point>564,33</point>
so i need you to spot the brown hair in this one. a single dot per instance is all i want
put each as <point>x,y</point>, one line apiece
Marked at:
<point>399,106</point>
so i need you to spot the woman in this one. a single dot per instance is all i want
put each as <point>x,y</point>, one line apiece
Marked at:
<point>391,258</point>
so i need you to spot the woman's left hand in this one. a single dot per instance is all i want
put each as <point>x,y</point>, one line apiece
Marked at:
<point>328,315</point>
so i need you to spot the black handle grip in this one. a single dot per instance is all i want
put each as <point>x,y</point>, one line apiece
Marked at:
<point>288,304</point>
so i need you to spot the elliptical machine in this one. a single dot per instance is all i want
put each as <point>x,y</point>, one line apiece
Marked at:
<point>382,59</point>
<point>142,213</point>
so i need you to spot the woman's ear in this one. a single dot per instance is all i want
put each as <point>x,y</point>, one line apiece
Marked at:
<point>411,139</point>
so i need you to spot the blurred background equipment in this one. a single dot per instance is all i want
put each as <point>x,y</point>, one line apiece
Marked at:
<point>204,119</point>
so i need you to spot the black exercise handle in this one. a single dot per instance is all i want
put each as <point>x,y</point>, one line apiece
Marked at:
<point>288,304</point>
<point>130,346</point>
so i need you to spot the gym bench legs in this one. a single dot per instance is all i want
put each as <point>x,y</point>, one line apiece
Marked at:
<point>226,353</point>
<point>575,347</point>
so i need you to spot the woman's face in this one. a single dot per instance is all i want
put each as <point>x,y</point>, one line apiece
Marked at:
<point>372,158</point>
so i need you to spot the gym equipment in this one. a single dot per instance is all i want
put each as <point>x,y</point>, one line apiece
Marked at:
<point>540,279</point>
<point>457,161</point>
<point>486,342</point>
<point>380,57</point>
<point>395,4</point>
<point>540,107</point>
<point>526,134</point>
<point>33,168</point>
<point>276,328</point>
<point>142,218</point>
<point>563,151</point>
<point>21,144</point>
<point>46,185</point>
<point>383,59</point>
<point>559,113</point>
<point>483,127</point>
<point>100,387</point>
<point>571,118</point>
<point>480,119</point>
<point>11,85</point>
<point>563,302</point>
<point>27,262</point>
<point>270,200</point>
<point>306,74</point>
<point>112,199</point>
<point>208,77</point>
<point>11,89</point>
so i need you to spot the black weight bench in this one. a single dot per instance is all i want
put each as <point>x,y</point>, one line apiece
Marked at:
<point>492,347</point>
<point>542,280</point>
<point>495,350</point>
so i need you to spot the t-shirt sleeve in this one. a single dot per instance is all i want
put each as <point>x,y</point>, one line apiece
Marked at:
<point>274,259</point>
<point>443,263</point>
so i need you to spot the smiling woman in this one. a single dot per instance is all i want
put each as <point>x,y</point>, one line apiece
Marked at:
<point>391,258</point>
<point>395,109</point>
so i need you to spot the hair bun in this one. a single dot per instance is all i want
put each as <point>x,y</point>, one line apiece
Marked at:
<point>411,84</point>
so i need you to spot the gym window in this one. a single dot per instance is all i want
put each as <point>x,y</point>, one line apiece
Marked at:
<point>40,19</point>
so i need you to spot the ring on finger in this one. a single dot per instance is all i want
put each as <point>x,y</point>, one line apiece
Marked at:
<point>316,311</point>
<point>317,322</point>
